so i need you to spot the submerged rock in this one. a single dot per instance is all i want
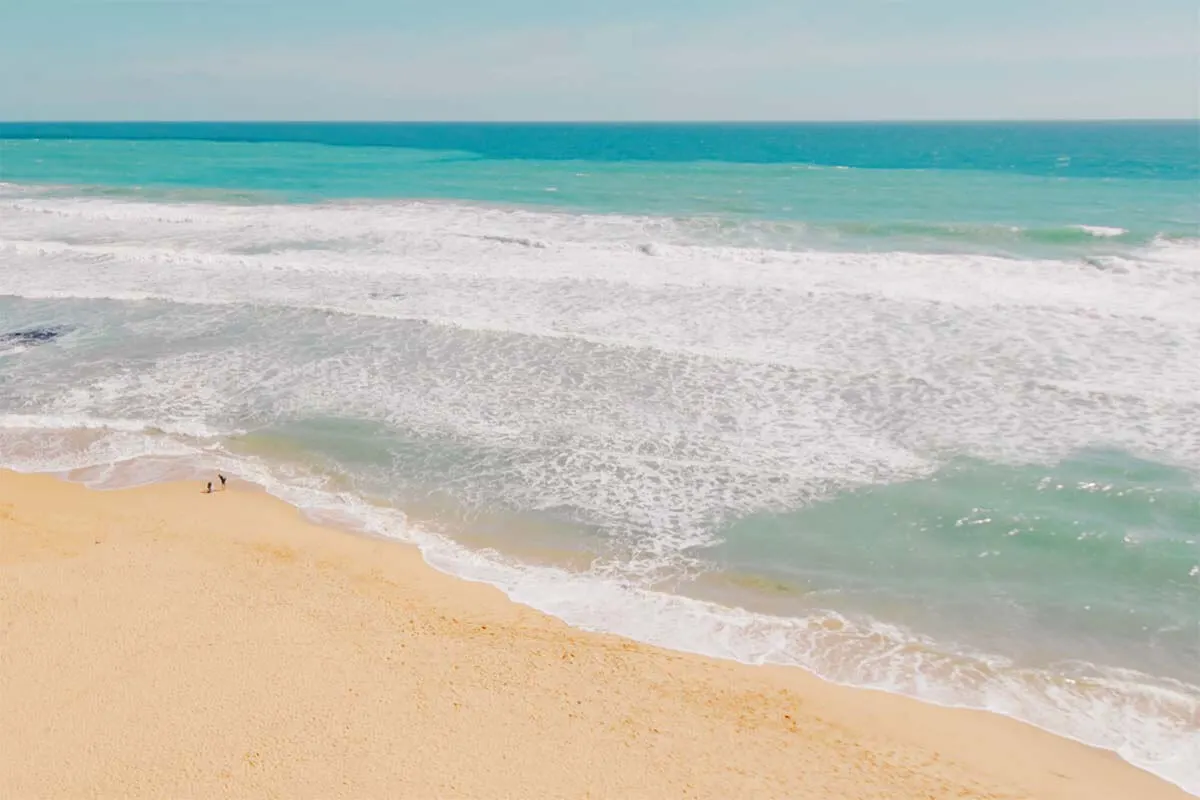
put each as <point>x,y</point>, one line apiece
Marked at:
<point>39,335</point>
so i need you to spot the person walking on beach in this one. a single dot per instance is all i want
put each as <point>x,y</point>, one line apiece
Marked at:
<point>222,477</point>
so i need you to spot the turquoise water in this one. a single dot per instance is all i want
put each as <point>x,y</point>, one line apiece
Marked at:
<point>912,406</point>
<point>1139,180</point>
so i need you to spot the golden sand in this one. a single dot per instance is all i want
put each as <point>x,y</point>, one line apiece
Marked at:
<point>160,642</point>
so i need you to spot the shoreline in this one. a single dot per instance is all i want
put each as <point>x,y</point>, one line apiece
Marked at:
<point>242,650</point>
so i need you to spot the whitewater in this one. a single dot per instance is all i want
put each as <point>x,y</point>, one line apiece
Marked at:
<point>611,417</point>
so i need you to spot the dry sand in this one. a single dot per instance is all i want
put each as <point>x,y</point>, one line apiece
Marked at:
<point>160,642</point>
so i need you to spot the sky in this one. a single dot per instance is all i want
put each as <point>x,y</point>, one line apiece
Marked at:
<point>598,60</point>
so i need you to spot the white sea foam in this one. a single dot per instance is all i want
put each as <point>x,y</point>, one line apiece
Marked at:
<point>839,367</point>
<point>1102,231</point>
<point>38,422</point>
<point>820,370</point>
<point>59,452</point>
<point>1184,254</point>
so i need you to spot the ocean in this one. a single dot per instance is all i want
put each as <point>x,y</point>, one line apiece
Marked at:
<point>911,406</point>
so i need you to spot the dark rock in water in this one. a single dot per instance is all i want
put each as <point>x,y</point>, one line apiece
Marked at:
<point>34,335</point>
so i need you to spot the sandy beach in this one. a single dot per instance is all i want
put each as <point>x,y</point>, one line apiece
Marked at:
<point>161,642</point>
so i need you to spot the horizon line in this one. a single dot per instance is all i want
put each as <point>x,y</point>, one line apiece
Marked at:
<point>849,121</point>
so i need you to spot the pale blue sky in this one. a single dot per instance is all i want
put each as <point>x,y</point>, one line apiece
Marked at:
<point>605,60</point>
